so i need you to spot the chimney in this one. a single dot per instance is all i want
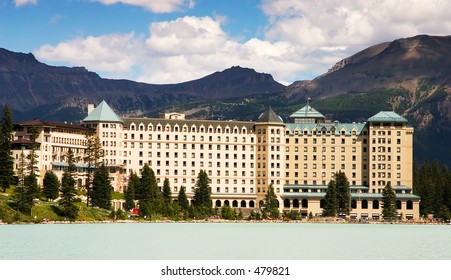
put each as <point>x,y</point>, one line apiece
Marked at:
<point>90,108</point>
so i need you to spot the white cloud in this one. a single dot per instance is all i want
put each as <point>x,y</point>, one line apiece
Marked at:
<point>156,6</point>
<point>303,39</point>
<point>354,23</point>
<point>20,3</point>
<point>115,54</point>
<point>184,49</point>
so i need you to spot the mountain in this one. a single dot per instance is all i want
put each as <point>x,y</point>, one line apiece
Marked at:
<point>411,76</point>
<point>405,63</point>
<point>30,88</point>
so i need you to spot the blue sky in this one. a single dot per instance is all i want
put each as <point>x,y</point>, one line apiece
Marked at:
<point>170,41</point>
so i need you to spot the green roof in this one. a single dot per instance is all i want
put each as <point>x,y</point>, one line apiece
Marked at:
<point>307,112</point>
<point>329,128</point>
<point>269,116</point>
<point>102,113</point>
<point>387,116</point>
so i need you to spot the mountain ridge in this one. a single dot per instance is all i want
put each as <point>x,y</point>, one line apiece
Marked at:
<point>411,76</point>
<point>27,84</point>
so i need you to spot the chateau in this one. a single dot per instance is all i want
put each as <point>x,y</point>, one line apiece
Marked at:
<point>242,159</point>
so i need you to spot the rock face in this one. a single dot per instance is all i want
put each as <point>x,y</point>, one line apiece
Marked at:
<point>402,63</point>
<point>27,84</point>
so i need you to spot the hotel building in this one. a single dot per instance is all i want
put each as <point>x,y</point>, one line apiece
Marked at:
<point>242,159</point>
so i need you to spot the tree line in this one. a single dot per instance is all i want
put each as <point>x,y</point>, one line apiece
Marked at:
<point>432,183</point>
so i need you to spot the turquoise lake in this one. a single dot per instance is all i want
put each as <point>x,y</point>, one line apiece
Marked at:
<point>225,241</point>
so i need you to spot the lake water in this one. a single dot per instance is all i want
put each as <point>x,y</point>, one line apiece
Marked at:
<point>225,241</point>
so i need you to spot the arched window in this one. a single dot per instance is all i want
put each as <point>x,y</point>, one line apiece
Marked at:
<point>251,204</point>
<point>286,203</point>
<point>261,203</point>
<point>295,203</point>
<point>364,204</point>
<point>304,203</point>
<point>218,203</point>
<point>409,205</point>
<point>375,204</point>
<point>234,203</point>
<point>227,203</point>
<point>398,204</point>
<point>353,204</point>
<point>243,204</point>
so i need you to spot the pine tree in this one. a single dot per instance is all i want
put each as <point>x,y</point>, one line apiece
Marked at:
<point>7,162</point>
<point>271,203</point>
<point>101,188</point>
<point>25,193</point>
<point>202,195</point>
<point>27,189</point>
<point>343,193</point>
<point>129,192</point>
<point>182,199</point>
<point>93,157</point>
<point>167,198</point>
<point>389,211</point>
<point>51,185</point>
<point>32,157</point>
<point>330,200</point>
<point>167,194</point>
<point>68,192</point>
<point>439,190</point>
<point>150,193</point>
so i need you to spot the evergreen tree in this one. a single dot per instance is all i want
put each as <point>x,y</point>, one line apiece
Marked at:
<point>7,162</point>
<point>183,200</point>
<point>25,194</point>
<point>271,203</point>
<point>51,185</point>
<point>147,180</point>
<point>447,183</point>
<point>202,195</point>
<point>101,188</point>
<point>330,200</point>
<point>129,192</point>
<point>93,157</point>
<point>167,198</point>
<point>19,195</point>
<point>343,193</point>
<point>439,188</point>
<point>27,189</point>
<point>167,194</point>
<point>32,157</point>
<point>389,211</point>
<point>150,193</point>
<point>68,192</point>
<point>428,189</point>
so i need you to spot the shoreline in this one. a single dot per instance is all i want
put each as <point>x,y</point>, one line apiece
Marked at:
<point>222,221</point>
